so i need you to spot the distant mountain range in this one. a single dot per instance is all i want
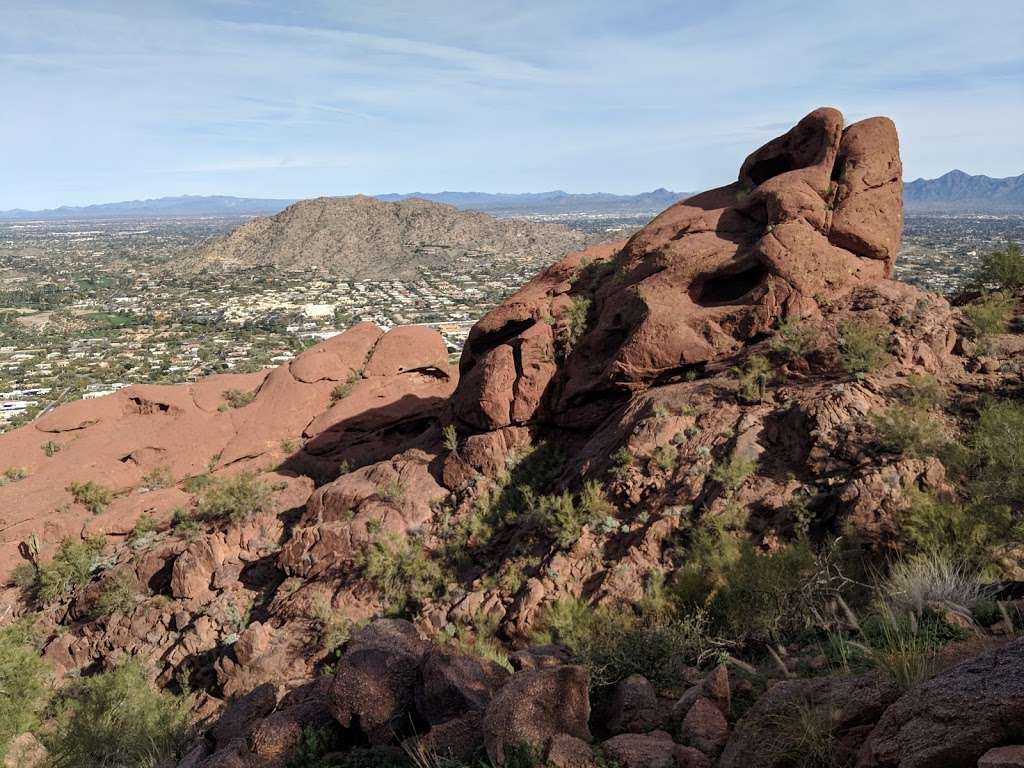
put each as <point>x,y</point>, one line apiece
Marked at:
<point>959,192</point>
<point>557,202</point>
<point>184,205</point>
<point>955,192</point>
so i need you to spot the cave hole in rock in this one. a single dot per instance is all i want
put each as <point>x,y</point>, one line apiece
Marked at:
<point>838,167</point>
<point>771,167</point>
<point>726,288</point>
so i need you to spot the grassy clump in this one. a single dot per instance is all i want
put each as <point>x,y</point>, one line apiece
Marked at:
<point>93,496</point>
<point>24,683</point>
<point>119,594</point>
<point>913,427</point>
<point>863,345</point>
<point>563,518</point>
<point>158,477</point>
<point>988,316</point>
<point>118,719</point>
<point>752,379</point>
<point>793,339</point>
<point>344,389</point>
<point>51,449</point>
<point>451,437</point>
<point>404,573</point>
<point>807,733</point>
<point>236,398</point>
<point>614,642</point>
<point>13,475</point>
<point>577,321</point>
<point>236,498</point>
<point>733,471</point>
<point>71,568</point>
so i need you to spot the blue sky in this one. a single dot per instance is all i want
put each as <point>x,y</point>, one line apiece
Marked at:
<point>120,100</point>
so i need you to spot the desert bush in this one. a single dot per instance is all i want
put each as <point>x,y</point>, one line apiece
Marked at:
<point>404,573</point>
<point>577,319</point>
<point>995,455</point>
<point>71,568</point>
<point>1002,270</point>
<point>93,496</point>
<point>24,683</point>
<point>144,530</point>
<point>793,339</point>
<point>334,629</point>
<point>158,477</point>
<point>988,316</point>
<point>614,642</point>
<point>119,594</point>
<point>563,519</point>
<point>863,345</point>
<point>118,719</point>
<point>451,437</point>
<point>236,498</point>
<point>236,398</point>
<point>731,472</point>
<point>393,491</point>
<point>665,457</point>
<point>752,378</point>
<point>13,475</point>
<point>344,389</point>
<point>899,649</point>
<point>50,448</point>
<point>935,578</point>
<point>764,597</point>
<point>911,431</point>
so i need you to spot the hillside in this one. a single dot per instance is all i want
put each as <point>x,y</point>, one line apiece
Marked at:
<point>365,238</point>
<point>958,192</point>
<point>724,495</point>
<point>549,203</point>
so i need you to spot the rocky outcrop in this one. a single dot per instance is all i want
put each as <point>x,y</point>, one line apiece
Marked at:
<point>955,718</point>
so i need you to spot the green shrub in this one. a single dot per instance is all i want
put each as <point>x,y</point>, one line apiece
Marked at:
<point>334,629</point>
<point>24,683</point>
<point>563,519</point>
<point>71,568</point>
<point>344,389</point>
<point>93,496</point>
<point>13,475</point>
<point>393,491</point>
<point>144,529</point>
<point>613,642</point>
<point>665,457</point>
<point>1002,270</point>
<point>733,471</point>
<point>196,483</point>
<point>117,719</point>
<point>764,597</point>
<point>863,345</point>
<point>793,339</point>
<point>236,398</point>
<point>119,594</point>
<point>989,316</point>
<point>910,430</point>
<point>996,455</point>
<point>403,572</point>
<point>451,437</point>
<point>752,379</point>
<point>158,477</point>
<point>51,448</point>
<point>577,320</point>
<point>900,649</point>
<point>236,498</point>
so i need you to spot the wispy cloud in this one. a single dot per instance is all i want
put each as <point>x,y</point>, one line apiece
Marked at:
<point>119,99</point>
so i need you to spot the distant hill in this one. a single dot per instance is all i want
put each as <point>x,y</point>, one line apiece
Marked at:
<point>959,192</point>
<point>365,238</point>
<point>556,202</point>
<point>184,205</point>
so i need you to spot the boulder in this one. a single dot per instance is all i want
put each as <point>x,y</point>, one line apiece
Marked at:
<point>852,705</point>
<point>375,681</point>
<point>1003,757</point>
<point>705,727</point>
<point>633,707</point>
<point>641,750</point>
<point>954,718</point>
<point>570,752</point>
<point>244,713</point>
<point>535,705</point>
<point>452,684</point>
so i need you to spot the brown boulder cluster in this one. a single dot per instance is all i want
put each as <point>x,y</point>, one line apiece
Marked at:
<point>402,487</point>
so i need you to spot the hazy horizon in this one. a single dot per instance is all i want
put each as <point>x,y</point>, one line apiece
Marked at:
<point>114,101</point>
